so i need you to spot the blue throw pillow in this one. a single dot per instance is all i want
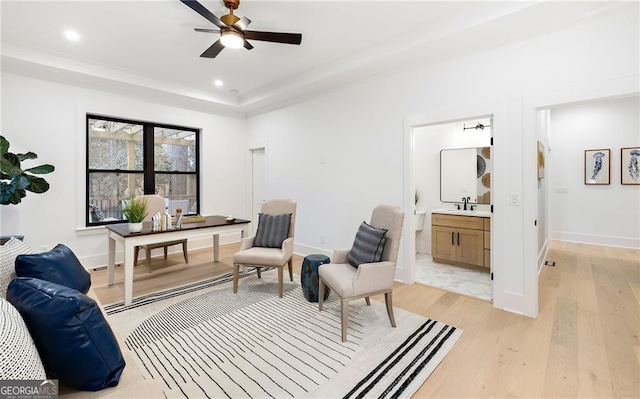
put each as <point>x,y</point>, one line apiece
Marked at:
<point>368,245</point>
<point>74,340</point>
<point>272,230</point>
<point>59,266</point>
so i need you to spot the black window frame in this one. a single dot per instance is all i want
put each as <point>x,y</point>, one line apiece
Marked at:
<point>148,170</point>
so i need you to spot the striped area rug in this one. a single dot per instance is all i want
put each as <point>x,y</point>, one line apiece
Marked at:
<point>216,344</point>
<point>177,292</point>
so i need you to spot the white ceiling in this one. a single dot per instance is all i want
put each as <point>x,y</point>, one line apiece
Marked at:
<point>149,48</point>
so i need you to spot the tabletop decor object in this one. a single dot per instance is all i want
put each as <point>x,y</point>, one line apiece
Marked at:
<point>135,210</point>
<point>179,222</point>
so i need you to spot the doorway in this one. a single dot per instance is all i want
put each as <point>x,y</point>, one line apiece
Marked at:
<point>440,188</point>
<point>568,195</point>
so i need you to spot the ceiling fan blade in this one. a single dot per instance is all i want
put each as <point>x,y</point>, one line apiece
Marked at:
<point>248,45</point>
<point>199,8</point>
<point>214,50</point>
<point>206,30</point>
<point>242,24</point>
<point>276,37</point>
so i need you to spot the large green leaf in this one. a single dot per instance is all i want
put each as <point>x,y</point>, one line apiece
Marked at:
<point>4,145</point>
<point>17,196</point>
<point>41,169</point>
<point>10,164</point>
<point>38,185</point>
<point>28,155</point>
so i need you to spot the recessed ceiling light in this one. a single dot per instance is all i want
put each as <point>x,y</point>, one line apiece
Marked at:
<point>218,82</point>
<point>234,91</point>
<point>72,35</point>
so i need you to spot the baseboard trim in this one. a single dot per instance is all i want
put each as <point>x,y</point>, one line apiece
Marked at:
<point>609,241</point>
<point>304,250</point>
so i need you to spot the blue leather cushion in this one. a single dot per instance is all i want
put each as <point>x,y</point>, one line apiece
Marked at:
<point>59,266</point>
<point>74,340</point>
<point>368,245</point>
<point>272,230</point>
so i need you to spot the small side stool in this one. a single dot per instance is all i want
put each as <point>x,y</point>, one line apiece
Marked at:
<point>309,276</point>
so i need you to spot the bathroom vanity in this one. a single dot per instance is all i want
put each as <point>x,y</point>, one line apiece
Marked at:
<point>461,237</point>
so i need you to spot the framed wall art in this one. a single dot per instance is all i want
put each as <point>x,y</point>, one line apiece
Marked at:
<point>629,165</point>
<point>597,167</point>
<point>541,161</point>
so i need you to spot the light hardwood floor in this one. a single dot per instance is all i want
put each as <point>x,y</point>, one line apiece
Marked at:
<point>584,342</point>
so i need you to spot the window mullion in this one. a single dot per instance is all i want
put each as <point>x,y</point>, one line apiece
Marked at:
<point>149,159</point>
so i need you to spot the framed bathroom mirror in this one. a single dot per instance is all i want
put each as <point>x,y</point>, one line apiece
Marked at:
<point>465,172</point>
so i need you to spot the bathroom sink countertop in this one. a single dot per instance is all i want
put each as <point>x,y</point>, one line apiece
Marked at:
<point>452,211</point>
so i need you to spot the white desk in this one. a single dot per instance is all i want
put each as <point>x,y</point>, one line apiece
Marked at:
<point>213,225</point>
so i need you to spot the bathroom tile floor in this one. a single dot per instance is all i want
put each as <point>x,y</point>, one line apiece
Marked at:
<point>467,281</point>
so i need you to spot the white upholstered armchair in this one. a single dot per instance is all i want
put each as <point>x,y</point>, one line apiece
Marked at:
<point>272,246</point>
<point>370,278</point>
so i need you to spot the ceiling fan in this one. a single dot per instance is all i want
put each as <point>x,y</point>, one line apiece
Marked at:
<point>233,30</point>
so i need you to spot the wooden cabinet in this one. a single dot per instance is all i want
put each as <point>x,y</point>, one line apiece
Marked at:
<point>443,243</point>
<point>459,239</point>
<point>487,242</point>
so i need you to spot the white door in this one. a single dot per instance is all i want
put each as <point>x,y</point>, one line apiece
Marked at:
<point>258,184</point>
<point>491,192</point>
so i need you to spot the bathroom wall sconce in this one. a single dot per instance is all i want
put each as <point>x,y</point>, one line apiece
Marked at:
<point>479,126</point>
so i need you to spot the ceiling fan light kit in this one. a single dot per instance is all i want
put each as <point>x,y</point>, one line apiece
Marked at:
<point>233,30</point>
<point>232,39</point>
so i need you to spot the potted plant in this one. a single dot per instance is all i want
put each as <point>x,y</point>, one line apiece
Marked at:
<point>135,210</point>
<point>14,181</point>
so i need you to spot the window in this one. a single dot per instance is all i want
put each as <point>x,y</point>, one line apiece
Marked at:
<point>129,158</point>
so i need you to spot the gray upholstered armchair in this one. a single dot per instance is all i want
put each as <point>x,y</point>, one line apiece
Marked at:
<point>369,278</point>
<point>272,246</point>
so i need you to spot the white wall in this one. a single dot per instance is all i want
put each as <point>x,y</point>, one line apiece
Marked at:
<point>49,119</point>
<point>359,132</point>
<point>428,142</point>
<point>600,214</point>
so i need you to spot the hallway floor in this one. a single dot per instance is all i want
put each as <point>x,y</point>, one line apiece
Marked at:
<point>462,280</point>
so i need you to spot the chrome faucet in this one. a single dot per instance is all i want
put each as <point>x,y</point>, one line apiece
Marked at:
<point>465,201</point>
